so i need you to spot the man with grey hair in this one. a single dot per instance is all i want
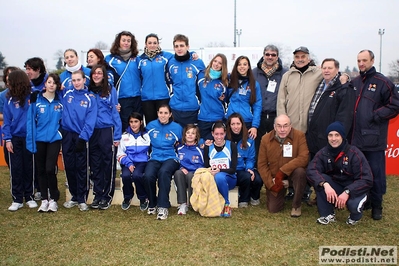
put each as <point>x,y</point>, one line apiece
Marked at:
<point>268,73</point>
<point>298,87</point>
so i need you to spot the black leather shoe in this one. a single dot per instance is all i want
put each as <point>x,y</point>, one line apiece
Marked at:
<point>376,213</point>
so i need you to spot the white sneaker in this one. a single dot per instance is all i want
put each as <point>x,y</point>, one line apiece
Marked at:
<point>44,206</point>
<point>151,211</point>
<point>15,206</point>
<point>255,202</point>
<point>162,213</point>
<point>38,196</point>
<point>69,204</point>
<point>53,206</point>
<point>31,204</point>
<point>182,209</point>
<point>83,207</point>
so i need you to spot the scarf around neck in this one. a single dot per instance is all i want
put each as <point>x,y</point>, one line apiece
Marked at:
<point>74,68</point>
<point>214,74</point>
<point>152,54</point>
<point>37,81</point>
<point>183,57</point>
<point>125,54</point>
<point>269,71</point>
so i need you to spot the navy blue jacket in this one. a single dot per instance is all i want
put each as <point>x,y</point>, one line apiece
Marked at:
<point>377,102</point>
<point>335,104</point>
<point>350,170</point>
<point>269,98</point>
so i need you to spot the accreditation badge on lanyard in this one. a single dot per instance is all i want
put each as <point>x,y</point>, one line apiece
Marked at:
<point>287,150</point>
<point>271,87</point>
<point>242,91</point>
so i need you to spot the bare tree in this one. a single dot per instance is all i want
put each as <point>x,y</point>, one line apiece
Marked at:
<point>394,69</point>
<point>59,55</point>
<point>101,45</point>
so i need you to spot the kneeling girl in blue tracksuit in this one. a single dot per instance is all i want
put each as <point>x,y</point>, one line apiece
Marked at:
<point>14,130</point>
<point>165,135</point>
<point>44,139</point>
<point>133,157</point>
<point>78,121</point>
<point>248,179</point>
<point>105,139</point>
<point>191,158</point>
<point>221,156</point>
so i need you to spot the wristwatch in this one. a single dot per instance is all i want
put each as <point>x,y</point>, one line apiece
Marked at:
<point>347,191</point>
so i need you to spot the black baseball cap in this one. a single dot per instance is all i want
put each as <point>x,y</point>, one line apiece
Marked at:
<point>301,49</point>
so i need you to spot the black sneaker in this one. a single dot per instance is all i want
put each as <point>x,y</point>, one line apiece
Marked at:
<point>289,196</point>
<point>95,204</point>
<point>144,205</point>
<point>104,204</point>
<point>306,197</point>
<point>376,213</point>
<point>126,204</point>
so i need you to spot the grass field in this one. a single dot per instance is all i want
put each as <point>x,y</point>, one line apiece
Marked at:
<point>115,237</point>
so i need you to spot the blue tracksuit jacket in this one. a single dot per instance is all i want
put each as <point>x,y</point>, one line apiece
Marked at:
<point>80,112</point>
<point>43,121</point>
<point>164,138</point>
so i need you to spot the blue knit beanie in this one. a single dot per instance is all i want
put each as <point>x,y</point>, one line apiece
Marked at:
<point>336,126</point>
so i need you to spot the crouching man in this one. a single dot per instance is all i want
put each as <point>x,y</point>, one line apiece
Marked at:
<point>282,161</point>
<point>341,177</point>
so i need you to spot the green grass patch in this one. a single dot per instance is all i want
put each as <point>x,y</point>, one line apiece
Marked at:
<point>252,236</point>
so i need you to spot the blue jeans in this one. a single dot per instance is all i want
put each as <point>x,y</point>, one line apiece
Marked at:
<point>225,182</point>
<point>161,171</point>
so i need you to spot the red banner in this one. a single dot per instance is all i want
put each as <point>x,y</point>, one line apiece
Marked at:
<point>392,151</point>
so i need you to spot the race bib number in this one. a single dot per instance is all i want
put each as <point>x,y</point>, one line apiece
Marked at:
<point>221,163</point>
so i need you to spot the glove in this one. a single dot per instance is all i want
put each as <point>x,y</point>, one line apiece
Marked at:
<point>278,182</point>
<point>80,145</point>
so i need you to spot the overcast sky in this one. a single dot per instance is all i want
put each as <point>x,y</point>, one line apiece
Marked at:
<point>338,28</point>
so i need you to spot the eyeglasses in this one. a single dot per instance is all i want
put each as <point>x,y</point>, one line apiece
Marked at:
<point>282,126</point>
<point>272,55</point>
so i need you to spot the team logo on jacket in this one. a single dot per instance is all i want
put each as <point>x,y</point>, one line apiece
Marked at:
<point>16,105</point>
<point>144,62</point>
<point>372,87</point>
<point>189,71</point>
<point>168,136</point>
<point>42,109</point>
<point>175,69</point>
<point>195,159</point>
<point>345,160</point>
<point>58,108</point>
<point>332,94</point>
<point>70,98</point>
<point>84,103</point>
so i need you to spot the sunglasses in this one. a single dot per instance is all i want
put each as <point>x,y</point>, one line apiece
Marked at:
<point>272,55</point>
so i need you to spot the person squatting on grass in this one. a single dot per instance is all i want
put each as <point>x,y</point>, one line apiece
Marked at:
<point>221,157</point>
<point>248,179</point>
<point>133,157</point>
<point>78,121</point>
<point>283,158</point>
<point>341,176</point>
<point>105,138</point>
<point>165,135</point>
<point>191,158</point>
<point>43,139</point>
<point>14,131</point>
